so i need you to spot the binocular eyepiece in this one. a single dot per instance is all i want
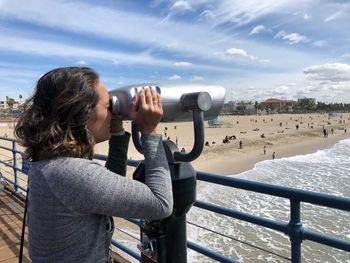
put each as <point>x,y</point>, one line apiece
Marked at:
<point>177,100</point>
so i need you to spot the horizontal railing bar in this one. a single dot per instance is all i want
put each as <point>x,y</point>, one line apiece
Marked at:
<point>126,249</point>
<point>133,163</point>
<point>337,202</point>
<point>11,150</point>
<point>127,233</point>
<point>13,183</point>
<point>326,240</point>
<point>18,169</point>
<point>101,157</point>
<point>6,148</point>
<point>11,165</point>
<point>7,164</point>
<point>209,253</point>
<point>282,227</point>
<point>8,139</point>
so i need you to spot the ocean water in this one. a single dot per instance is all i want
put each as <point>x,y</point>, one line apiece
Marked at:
<point>326,171</point>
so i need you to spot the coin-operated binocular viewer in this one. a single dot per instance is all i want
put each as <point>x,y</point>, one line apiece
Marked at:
<point>165,241</point>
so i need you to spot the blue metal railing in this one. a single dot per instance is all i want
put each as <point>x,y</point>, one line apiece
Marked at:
<point>294,228</point>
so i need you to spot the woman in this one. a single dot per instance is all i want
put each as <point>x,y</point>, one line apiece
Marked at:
<point>72,198</point>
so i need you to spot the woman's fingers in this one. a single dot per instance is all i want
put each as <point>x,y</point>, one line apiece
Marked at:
<point>154,97</point>
<point>148,95</point>
<point>149,111</point>
<point>133,106</point>
<point>142,97</point>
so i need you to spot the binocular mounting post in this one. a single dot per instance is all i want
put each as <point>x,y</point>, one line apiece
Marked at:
<point>165,241</point>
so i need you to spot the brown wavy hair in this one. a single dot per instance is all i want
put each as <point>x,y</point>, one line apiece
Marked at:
<point>53,123</point>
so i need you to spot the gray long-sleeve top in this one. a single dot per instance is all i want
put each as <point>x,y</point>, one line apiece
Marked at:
<point>71,199</point>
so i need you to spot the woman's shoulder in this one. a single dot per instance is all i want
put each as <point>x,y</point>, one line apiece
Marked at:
<point>63,164</point>
<point>65,170</point>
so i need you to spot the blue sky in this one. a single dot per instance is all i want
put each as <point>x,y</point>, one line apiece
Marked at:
<point>256,49</point>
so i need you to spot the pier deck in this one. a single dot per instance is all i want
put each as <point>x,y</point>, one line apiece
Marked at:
<point>11,216</point>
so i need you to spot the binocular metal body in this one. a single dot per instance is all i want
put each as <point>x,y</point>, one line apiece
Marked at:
<point>177,100</point>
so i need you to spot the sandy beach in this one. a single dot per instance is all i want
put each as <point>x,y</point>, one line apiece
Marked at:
<point>282,134</point>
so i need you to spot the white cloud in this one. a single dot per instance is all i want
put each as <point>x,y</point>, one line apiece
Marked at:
<point>332,17</point>
<point>307,17</point>
<point>243,12</point>
<point>183,64</point>
<point>236,52</point>
<point>320,43</point>
<point>197,78</point>
<point>56,49</point>
<point>138,28</point>
<point>68,51</point>
<point>206,15</point>
<point>181,5</point>
<point>241,53</point>
<point>81,62</point>
<point>175,77</point>
<point>329,81</point>
<point>258,29</point>
<point>281,91</point>
<point>330,72</point>
<point>280,34</point>
<point>293,38</point>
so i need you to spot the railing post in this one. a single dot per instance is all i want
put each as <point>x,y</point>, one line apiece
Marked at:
<point>295,231</point>
<point>17,190</point>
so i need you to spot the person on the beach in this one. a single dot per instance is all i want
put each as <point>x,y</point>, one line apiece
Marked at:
<point>71,197</point>
<point>325,133</point>
<point>273,155</point>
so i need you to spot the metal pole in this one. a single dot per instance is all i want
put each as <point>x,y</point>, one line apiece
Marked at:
<point>295,231</point>
<point>17,190</point>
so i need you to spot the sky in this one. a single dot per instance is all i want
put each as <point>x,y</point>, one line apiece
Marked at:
<point>285,49</point>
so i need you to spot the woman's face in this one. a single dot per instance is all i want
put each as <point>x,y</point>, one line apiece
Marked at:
<point>99,122</point>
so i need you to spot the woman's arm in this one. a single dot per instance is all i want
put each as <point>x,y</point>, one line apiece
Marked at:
<point>117,153</point>
<point>86,187</point>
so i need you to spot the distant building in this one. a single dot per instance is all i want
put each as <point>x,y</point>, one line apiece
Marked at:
<point>5,106</point>
<point>274,105</point>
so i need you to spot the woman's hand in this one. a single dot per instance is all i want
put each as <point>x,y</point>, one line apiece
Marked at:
<point>146,110</point>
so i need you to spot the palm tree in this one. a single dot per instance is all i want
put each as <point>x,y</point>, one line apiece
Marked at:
<point>10,102</point>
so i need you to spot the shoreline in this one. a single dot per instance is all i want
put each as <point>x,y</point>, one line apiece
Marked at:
<point>238,164</point>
